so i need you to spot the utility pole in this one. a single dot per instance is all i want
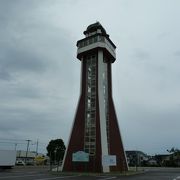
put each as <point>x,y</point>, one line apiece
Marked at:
<point>28,141</point>
<point>15,146</point>
<point>37,147</point>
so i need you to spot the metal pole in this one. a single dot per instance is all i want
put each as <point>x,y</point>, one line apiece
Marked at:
<point>136,160</point>
<point>15,146</point>
<point>37,147</point>
<point>28,141</point>
<point>50,162</point>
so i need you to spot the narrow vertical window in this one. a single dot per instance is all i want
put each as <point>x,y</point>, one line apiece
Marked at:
<point>90,117</point>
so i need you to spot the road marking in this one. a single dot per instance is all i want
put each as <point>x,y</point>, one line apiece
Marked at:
<point>102,176</point>
<point>20,176</point>
<point>107,178</point>
<point>60,177</point>
<point>20,172</point>
<point>177,178</point>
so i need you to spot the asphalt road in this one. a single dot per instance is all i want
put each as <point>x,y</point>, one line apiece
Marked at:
<point>42,173</point>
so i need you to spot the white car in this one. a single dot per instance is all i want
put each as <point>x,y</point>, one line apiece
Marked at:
<point>20,163</point>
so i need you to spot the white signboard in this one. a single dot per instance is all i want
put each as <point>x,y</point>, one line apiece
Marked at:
<point>80,156</point>
<point>109,160</point>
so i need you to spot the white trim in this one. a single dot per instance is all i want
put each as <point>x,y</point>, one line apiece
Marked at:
<point>96,45</point>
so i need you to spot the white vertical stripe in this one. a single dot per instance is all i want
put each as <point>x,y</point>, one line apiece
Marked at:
<point>104,144</point>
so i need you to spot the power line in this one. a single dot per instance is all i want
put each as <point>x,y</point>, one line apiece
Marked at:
<point>6,139</point>
<point>16,141</point>
<point>11,143</point>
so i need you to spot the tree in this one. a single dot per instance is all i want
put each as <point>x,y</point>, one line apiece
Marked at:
<point>175,157</point>
<point>159,159</point>
<point>56,149</point>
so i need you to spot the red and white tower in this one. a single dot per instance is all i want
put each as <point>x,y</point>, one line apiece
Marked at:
<point>95,129</point>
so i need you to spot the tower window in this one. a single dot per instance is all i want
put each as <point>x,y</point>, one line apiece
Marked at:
<point>90,117</point>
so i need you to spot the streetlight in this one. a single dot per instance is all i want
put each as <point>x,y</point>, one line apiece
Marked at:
<point>28,141</point>
<point>15,146</point>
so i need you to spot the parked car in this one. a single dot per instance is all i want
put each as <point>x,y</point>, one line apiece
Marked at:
<point>20,163</point>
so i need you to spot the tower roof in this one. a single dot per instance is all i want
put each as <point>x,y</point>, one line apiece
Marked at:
<point>94,27</point>
<point>96,38</point>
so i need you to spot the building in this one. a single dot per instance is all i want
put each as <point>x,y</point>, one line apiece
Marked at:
<point>136,158</point>
<point>152,162</point>
<point>95,130</point>
<point>169,160</point>
<point>30,157</point>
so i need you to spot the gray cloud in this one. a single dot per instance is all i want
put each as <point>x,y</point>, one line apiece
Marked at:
<point>4,75</point>
<point>20,60</point>
<point>40,76</point>
<point>141,54</point>
<point>177,53</point>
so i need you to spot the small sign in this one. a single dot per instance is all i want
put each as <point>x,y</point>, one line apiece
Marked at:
<point>109,160</point>
<point>80,156</point>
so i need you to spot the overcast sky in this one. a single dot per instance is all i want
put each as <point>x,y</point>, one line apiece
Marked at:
<point>40,75</point>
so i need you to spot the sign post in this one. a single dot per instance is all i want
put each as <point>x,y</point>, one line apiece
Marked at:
<point>109,160</point>
<point>80,156</point>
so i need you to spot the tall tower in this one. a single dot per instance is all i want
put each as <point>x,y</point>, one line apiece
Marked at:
<point>95,129</point>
